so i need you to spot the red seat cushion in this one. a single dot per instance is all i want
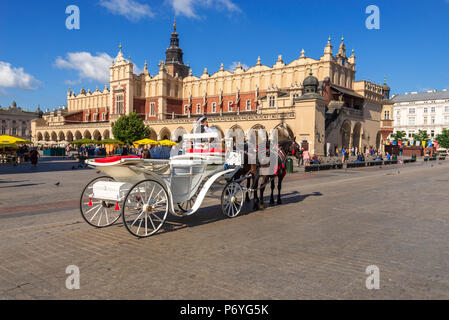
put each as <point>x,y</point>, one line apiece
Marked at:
<point>115,159</point>
<point>213,150</point>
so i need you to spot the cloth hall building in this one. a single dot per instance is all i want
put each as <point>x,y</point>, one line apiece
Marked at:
<point>318,101</point>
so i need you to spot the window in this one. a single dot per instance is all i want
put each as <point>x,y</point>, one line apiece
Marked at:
<point>119,104</point>
<point>186,109</point>
<point>214,107</point>
<point>295,96</point>
<point>95,117</point>
<point>3,130</point>
<point>425,120</point>
<point>248,105</point>
<point>446,109</point>
<point>446,119</point>
<point>152,109</point>
<point>230,106</point>
<point>86,118</point>
<point>411,133</point>
<point>432,110</point>
<point>198,108</point>
<point>411,121</point>
<point>272,101</point>
<point>103,116</point>
<point>387,115</point>
<point>432,133</point>
<point>14,131</point>
<point>432,120</point>
<point>425,110</point>
<point>398,112</point>
<point>24,132</point>
<point>411,110</point>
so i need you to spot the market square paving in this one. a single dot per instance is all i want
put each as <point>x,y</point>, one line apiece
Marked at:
<point>317,245</point>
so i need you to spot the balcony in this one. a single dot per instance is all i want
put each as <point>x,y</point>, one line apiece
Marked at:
<point>387,123</point>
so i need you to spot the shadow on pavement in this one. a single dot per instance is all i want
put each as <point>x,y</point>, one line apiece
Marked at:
<point>50,165</point>
<point>213,213</point>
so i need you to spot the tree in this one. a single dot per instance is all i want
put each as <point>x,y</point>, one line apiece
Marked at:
<point>443,139</point>
<point>421,136</point>
<point>130,128</point>
<point>399,135</point>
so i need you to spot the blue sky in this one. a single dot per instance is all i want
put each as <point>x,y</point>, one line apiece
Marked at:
<point>40,58</point>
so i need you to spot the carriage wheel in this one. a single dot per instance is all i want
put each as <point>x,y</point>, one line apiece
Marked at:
<point>145,208</point>
<point>186,206</point>
<point>232,199</point>
<point>98,213</point>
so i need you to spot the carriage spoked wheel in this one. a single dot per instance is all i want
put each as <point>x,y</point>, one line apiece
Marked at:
<point>186,206</point>
<point>98,213</point>
<point>232,199</point>
<point>145,208</point>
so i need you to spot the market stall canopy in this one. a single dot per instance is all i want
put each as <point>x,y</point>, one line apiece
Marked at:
<point>167,143</point>
<point>11,140</point>
<point>85,141</point>
<point>10,145</point>
<point>146,142</point>
<point>111,141</point>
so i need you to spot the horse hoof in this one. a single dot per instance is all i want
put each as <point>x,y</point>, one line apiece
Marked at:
<point>279,201</point>
<point>255,208</point>
<point>272,201</point>
<point>247,199</point>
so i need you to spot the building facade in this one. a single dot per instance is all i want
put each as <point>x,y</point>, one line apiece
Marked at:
<point>17,122</point>
<point>318,101</point>
<point>427,111</point>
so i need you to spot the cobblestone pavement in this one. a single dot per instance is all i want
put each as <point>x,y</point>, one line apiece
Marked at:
<point>316,245</point>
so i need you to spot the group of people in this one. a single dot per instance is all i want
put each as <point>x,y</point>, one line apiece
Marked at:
<point>24,153</point>
<point>306,159</point>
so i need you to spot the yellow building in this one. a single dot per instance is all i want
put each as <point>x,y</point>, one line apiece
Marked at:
<point>318,101</point>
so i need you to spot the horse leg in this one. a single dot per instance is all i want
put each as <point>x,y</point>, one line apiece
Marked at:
<point>272,192</point>
<point>262,190</point>
<point>281,178</point>
<point>254,187</point>
<point>248,186</point>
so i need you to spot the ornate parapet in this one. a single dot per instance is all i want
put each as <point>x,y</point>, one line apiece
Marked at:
<point>228,118</point>
<point>76,126</point>
<point>352,112</point>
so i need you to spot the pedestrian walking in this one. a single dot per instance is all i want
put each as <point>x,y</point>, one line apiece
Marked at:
<point>34,157</point>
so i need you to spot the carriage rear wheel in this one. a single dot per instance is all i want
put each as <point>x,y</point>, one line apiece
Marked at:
<point>145,208</point>
<point>186,206</point>
<point>232,199</point>
<point>98,213</point>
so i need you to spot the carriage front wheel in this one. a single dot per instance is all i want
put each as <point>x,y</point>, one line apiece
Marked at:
<point>232,199</point>
<point>98,213</point>
<point>145,208</point>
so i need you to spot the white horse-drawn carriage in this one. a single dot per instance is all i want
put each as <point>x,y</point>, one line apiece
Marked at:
<point>143,192</point>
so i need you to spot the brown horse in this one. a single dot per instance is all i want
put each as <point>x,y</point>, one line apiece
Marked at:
<point>255,172</point>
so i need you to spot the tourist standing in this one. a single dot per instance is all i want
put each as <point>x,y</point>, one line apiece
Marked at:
<point>306,157</point>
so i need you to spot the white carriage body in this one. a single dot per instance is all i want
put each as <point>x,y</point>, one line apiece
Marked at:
<point>110,190</point>
<point>181,175</point>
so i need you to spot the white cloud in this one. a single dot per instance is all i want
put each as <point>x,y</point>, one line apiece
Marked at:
<point>11,77</point>
<point>234,65</point>
<point>188,7</point>
<point>130,9</point>
<point>88,66</point>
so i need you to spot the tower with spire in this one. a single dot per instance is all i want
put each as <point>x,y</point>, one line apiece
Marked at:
<point>174,56</point>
